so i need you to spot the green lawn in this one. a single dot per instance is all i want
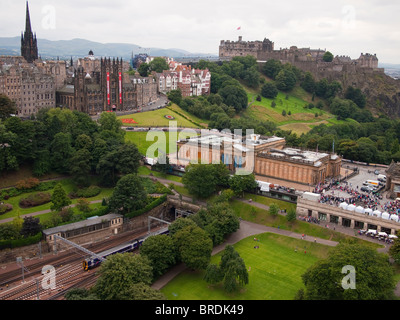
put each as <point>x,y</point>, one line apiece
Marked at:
<point>275,271</point>
<point>145,140</point>
<point>157,119</point>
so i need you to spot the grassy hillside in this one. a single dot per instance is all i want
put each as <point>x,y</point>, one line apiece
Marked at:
<point>299,117</point>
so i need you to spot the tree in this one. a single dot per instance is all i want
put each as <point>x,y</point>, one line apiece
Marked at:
<point>234,96</point>
<point>61,152</point>
<point>200,180</point>
<point>161,252</point>
<point>59,198</point>
<point>194,247</point>
<point>269,90</point>
<point>327,57</point>
<point>272,68</point>
<point>218,220</point>
<point>291,215</point>
<point>180,224</point>
<point>175,96</point>
<point>242,183</point>
<point>158,65</point>
<point>80,294</point>
<point>373,275</point>
<point>140,292</point>
<point>355,95</point>
<point>232,271</point>
<point>285,80</point>
<point>119,273</point>
<point>308,83</point>
<point>80,167</point>
<point>251,77</point>
<point>123,159</point>
<point>274,209</point>
<point>144,69</point>
<point>163,165</point>
<point>7,107</point>
<point>129,195</point>
<point>394,250</point>
<point>30,227</point>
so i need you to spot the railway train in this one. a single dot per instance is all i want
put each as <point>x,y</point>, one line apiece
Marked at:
<point>94,261</point>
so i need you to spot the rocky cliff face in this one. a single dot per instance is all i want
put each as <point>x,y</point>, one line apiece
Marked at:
<point>381,90</point>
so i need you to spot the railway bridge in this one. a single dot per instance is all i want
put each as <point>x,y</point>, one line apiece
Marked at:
<point>342,217</point>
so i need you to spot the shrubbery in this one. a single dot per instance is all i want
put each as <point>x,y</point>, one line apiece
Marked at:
<point>90,192</point>
<point>4,208</point>
<point>35,200</point>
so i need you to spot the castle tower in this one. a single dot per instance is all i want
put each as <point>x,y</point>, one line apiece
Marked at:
<point>29,48</point>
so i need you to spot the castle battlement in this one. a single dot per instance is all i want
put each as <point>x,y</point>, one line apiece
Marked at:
<point>306,59</point>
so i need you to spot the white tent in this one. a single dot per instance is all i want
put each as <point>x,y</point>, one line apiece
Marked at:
<point>351,207</point>
<point>368,211</point>
<point>360,209</point>
<point>392,236</point>
<point>377,213</point>
<point>343,205</point>
<point>382,234</point>
<point>371,231</point>
<point>394,217</point>
<point>386,216</point>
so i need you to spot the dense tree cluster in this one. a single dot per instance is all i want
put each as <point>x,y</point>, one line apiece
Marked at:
<point>373,276</point>
<point>68,142</point>
<point>203,180</point>
<point>372,142</point>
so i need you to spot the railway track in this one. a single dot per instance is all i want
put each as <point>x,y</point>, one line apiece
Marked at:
<point>69,273</point>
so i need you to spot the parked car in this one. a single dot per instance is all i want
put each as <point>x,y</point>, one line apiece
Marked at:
<point>367,189</point>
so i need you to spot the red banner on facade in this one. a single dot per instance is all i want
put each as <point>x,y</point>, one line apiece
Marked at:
<point>108,88</point>
<point>120,88</point>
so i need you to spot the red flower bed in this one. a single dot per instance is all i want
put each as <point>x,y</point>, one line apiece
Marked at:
<point>129,121</point>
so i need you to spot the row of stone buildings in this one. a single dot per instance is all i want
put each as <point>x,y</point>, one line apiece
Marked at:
<point>90,84</point>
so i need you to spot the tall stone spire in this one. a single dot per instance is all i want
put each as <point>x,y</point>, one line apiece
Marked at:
<point>29,49</point>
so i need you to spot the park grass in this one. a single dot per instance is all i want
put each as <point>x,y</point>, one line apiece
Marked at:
<point>161,139</point>
<point>157,118</point>
<point>263,217</point>
<point>275,271</point>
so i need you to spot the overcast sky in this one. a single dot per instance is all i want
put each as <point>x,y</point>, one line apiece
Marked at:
<point>342,27</point>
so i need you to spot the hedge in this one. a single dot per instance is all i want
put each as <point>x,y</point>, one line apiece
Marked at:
<point>147,208</point>
<point>10,244</point>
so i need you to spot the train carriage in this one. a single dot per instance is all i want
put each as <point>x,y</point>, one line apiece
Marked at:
<point>94,261</point>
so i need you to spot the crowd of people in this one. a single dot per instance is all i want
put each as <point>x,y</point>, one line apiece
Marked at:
<point>366,200</point>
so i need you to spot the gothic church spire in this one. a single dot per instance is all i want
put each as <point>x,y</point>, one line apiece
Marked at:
<point>29,49</point>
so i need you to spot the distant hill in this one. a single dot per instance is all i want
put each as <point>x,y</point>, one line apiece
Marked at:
<point>64,49</point>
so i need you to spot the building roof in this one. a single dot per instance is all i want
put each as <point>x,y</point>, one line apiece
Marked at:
<point>81,224</point>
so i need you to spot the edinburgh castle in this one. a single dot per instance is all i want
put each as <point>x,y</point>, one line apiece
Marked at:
<point>381,90</point>
<point>306,59</point>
